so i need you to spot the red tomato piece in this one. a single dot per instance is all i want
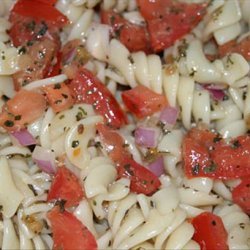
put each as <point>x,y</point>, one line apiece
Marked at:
<point>59,96</point>
<point>113,143</point>
<point>141,101</point>
<point>243,48</point>
<point>210,232</point>
<point>66,186</point>
<point>25,107</point>
<point>208,155</point>
<point>69,232</point>
<point>56,68</point>
<point>169,20</point>
<point>50,2</point>
<point>89,89</point>
<point>39,11</point>
<point>35,62</point>
<point>241,195</point>
<point>134,37</point>
<point>142,180</point>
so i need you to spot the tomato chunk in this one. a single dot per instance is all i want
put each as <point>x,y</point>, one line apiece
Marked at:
<point>169,20</point>
<point>69,232</point>
<point>141,101</point>
<point>241,195</point>
<point>206,154</point>
<point>142,180</point>
<point>89,89</point>
<point>243,48</point>
<point>134,37</point>
<point>67,187</point>
<point>59,96</point>
<point>25,107</point>
<point>39,11</point>
<point>210,232</point>
<point>35,62</point>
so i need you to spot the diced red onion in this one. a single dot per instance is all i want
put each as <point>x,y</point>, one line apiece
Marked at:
<point>157,167</point>
<point>169,115</point>
<point>45,159</point>
<point>217,94</point>
<point>23,137</point>
<point>146,137</point>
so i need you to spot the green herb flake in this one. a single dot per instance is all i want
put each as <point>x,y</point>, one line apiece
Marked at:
<point>75,144</point>
<point>210,169</point>
<point>18,117</point>
<point>8,123</point>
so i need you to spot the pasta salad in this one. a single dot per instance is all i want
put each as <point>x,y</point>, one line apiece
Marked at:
<point>124,124</point>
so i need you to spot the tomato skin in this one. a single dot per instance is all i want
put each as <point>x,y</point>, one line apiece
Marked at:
<point>33,66</point>
<point>114,143</point>
<point>50,2</point>
<point>55,69</point>
<point>89,89</point>
<point>69,232</point>
<point>169,20</point>
<point>66,186</point>
<point>142,102</point>
<point>59,97</point>
<point>134,37</point>
<point>210,232</point>
<point>39,11</point>
<point>241,195</point>
<point>208,155</point>
<point>243,48</point>
<point>18,110</point>
<point>142,180</point>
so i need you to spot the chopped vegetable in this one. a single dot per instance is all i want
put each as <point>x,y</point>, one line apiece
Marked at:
<point>59,96</point>
<point>210,232</point>
<point>169,20</point>
<point>146,137</point>
<point>66,187</point>
<point>89,89</point>
<point>206,154</point>
<point>23,137</point>
<point>25,107</point>
<point>142,102</point>
<point>142,179</point>
<point>45,159</point>
<point>69,232</point>
<point>241,195</point>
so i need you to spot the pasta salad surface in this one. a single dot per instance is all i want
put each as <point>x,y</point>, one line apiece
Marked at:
<point>124,124</point>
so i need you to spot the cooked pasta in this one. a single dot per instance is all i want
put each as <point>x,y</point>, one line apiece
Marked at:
<point>123,123</point>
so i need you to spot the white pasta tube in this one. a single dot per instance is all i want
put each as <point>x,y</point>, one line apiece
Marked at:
<point>166,200</point>
<point>141,68</point>
<point>201,106</point>
<point>185,99</point>
<point>80,27</point>
<point>84,213</point>
<point>223,16</point>
<point>10,239</point>
<point>180,237</point>
<point>11,199</point>
<point>119,58</point>
<point>97,42</point>
<point>154,225</point>
<point>170,79</point>
<point>133,220</point>
<point>98,180</point>
<point>155,73</point>
<point>76,142</point>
